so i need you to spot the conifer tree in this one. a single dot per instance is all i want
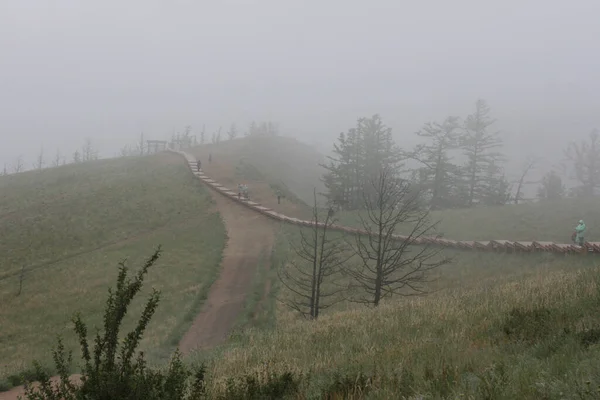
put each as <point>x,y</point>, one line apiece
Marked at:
<point>585,158</point>
<point>358,157</point>
<point>479,145</point>
<point>438,173</point>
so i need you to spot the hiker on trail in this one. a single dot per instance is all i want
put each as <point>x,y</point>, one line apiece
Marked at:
<point>580,233</point>
<point>210,158</point>
<point>199,165</point>
<point>239,191</point>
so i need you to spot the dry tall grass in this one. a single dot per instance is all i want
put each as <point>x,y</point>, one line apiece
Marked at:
<point>498,326</point>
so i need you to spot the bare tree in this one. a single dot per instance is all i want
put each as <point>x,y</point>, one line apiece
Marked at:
<point>141,145</point>
<point>76,157</point>
<point>88,153</point>
<point>202,134</point>
<point>127,151</point>
<point>216,136</point>
<point>39,163</point>
<point>4,170</point>
<point>390,265</point>
<point>57,159</point>
<point>528,166</point>
<point>312,278</point>
<point>232,133</point>
<point>19,165</point>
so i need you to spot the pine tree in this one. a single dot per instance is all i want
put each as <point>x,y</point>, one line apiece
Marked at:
<point>336,179</point>
<point>359,156</point>
<point>495,188</point>
<point>585,158</point>
<point>438,174</point>
<point>551,188</point>
<point>478,145</point>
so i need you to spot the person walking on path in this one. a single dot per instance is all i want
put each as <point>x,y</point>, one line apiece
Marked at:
<point>199,165</point>
<point>580,233</point>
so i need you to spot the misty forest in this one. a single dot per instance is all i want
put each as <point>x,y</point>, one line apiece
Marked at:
<point>268,200</point>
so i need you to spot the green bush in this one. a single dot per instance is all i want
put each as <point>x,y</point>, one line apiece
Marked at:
<point>114,369</point>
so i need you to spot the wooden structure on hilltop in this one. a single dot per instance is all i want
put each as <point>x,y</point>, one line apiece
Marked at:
<point>155,146</point>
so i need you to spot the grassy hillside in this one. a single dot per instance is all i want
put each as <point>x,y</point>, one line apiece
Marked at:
<point>266,165</point>
<point>532,339</point>
<point>497,327</point>
<point>70,226</point>
<point>545,221</point>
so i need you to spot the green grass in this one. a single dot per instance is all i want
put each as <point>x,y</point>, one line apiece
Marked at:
<point>544,221</point>
<point>285,163</point>
<point>293,168</point>
<point>496,326</point>
<point>453,341</point>
<point>535,338</point>
<point>70,226</point>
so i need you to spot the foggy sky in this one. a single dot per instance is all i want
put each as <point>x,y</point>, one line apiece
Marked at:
<point>111,69</point>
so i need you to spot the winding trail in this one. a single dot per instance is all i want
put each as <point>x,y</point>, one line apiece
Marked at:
<point>489,245</point>
<point>249,236</point>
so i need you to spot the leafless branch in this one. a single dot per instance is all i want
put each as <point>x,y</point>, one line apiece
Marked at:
<point>311,278</point>
<point>388,265</point>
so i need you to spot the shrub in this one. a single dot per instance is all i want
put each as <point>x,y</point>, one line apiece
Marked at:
<point>113,370</point>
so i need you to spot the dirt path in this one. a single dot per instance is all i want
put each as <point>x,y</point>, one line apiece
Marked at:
<point>249,235</point>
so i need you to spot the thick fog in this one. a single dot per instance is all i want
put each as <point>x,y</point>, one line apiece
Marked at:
<point>112,69</point>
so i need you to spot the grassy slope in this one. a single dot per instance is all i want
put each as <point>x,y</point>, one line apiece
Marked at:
<point>286,161</point>
<point>450,339</point>
<point>455,340</point>
<point>266,165</point>
<point>544,221</point>
<point>70,226</point>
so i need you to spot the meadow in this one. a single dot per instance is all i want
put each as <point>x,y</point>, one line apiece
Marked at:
<point>492,325</point>
<point>495,326</point>
<point>69,227</point>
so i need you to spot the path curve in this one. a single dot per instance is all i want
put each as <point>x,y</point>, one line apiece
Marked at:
<point>493,245</point>
<point>249,237</point>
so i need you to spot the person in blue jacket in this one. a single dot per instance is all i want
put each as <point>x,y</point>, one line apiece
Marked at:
<point>580,233</point>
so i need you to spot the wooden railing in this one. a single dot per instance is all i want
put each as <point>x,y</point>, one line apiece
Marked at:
<point>488,245</point>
